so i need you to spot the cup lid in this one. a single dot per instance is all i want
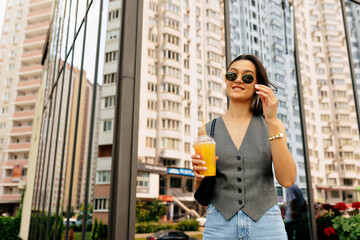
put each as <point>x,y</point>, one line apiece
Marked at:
<point>203,139</point>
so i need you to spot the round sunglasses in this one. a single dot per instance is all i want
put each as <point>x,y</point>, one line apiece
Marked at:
<point>246,78</point>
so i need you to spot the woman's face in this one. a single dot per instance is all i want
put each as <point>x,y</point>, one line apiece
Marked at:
<point>238,90</point>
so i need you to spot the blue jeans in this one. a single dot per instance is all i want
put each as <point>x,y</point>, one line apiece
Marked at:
<point>270,226</point>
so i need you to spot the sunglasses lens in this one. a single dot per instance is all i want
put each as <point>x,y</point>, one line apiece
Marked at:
<point>248,78</point>
<point>231,76</point>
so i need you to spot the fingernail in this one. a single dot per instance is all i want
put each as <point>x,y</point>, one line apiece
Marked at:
<point>203,162</point>
<point>205,168</point>
<point>257,91</point>
<point>256,85</point>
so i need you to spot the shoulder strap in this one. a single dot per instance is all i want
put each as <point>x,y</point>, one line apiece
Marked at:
<point>212,130</point>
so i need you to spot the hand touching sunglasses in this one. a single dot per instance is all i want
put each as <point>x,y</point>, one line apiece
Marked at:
<point>246,78</point>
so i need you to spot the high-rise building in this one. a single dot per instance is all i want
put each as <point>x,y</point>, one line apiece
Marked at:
<point>82,140</point>
<point>106,110</point>
<point>353,21</point>
<point>260,28</point>
<point>329,103</point>
<point>181,81</point>
<point>24,33</point>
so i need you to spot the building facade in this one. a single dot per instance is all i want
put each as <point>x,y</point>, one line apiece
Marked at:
<point>261,28</point>
<point>24,33</point>
<point>329,104</point>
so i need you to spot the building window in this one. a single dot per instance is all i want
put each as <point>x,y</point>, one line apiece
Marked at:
<point>114,14</point>
<point>187,112</point>
<point>171,143</point>
<point>101,204</point>
<point>335,194</point>
<point>169,162</point>
<point>150,142</point>
<point>142,182</point>
<point>103,177</point>
<point>175,182</point>
<point>109,78</point>
<point>187,79</point>
<point>187,147</point>
<point>187,164</point>
<point>109,101</point>
<point>171,124</point>
<point>331,181</point>
<point>151,123</point>
<point>107,126</point>
<point>152,87</point>
<point>189,185</point>
<point>11,66</point>
<point>110,56</point>
<point>152,105</point>
<point>187,129</point>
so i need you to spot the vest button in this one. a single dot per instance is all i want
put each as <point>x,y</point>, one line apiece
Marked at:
<point>239,169</point>
<point>239,190</point>
<point>238,158</point>
<point>239,179</point>
<point>240,202</point>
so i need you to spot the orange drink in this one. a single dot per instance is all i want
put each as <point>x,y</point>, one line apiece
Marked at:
<point>204,146</point>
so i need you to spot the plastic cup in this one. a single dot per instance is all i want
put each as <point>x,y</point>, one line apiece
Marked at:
<point>204,146</point>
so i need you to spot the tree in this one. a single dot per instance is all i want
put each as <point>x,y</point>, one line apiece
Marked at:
<point>147,212</point>
<point>94,229</point>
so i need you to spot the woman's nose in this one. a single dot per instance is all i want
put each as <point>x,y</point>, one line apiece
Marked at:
<point>239,79</point>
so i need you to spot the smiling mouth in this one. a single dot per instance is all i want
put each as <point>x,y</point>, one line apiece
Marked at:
<point>238,87</point>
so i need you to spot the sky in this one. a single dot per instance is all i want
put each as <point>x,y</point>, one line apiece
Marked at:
<point>2,13</point>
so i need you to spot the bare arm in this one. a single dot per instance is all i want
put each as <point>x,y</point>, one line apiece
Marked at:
<point>284,165</point>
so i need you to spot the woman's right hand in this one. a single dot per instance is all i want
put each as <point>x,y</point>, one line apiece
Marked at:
<point>198,165</point>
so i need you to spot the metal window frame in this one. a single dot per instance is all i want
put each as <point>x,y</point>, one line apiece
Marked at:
<point>126,119</point>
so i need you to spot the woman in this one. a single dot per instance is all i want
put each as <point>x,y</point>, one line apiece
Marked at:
<point>249,139</point>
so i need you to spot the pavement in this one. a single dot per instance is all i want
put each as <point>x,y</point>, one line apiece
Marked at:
<point>192,233</point>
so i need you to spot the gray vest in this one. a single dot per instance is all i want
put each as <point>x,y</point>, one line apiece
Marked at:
<point>244,177</point>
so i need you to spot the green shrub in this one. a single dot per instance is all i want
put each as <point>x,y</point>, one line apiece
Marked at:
<point>188,225</point>
<point>150,227</point>
<point>9,227</point>
<point>347,228</point>
<point>149,211</point>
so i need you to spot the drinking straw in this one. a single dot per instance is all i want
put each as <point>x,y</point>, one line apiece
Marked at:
<point>203,124</point>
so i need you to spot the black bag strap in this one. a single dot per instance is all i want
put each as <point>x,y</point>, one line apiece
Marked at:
<point>212,130</point>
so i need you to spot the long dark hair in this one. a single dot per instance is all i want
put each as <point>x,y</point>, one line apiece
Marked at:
<point>262,78</point>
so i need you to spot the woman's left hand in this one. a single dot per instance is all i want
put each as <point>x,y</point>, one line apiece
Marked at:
<point>269,101</point>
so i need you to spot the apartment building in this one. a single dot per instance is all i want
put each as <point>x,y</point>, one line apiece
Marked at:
<point>181,81</point>
<point>329,104</point>
<point>106,114</point>
<point>25,27</point>
<point>260,28</point>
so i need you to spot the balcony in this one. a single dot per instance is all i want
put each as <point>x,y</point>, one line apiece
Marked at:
<point>18,147</point>
<point>21,131</point>
<point>38,41</point>
<point>25,100</point>
<point>35,5</point>
<point>30,56</point>
<point>37,29</point>
<point>8,181</point>
<point>23,115</point>
<point>39,16</point>
<point>12,162</point>
<point>9,198</point>
<point>31,71</point>
<point>28,85</point>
